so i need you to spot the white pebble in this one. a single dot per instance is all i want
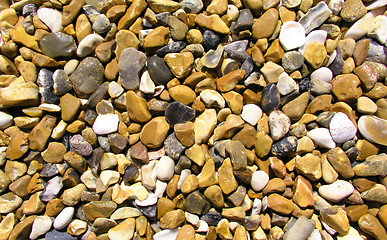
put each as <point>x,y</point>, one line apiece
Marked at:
<point>336,6</point>
<point>192,218</point>
<point>203,226</point>
<point>212,98</point>
<point>336,191</point>
<point>5,120</point>
<point>322,137</point>
<point>167,234</point>
<point>115,90</point>
<point>360,28</point>
<point>89,44</point>
<point>314,36</point>
<point>352,234</point>
<point>48,107</point>
<point>233,12</point>
<point>64,218</point>
<point>149,201</point>
<point>251,113</point>
<point>70,66</point>
<point>342,128</point>
<point>105,124</point>
<point>315,235</point>
<point>257,206</point>
<point>41,225</point>
<point>376,4</point>
<point>323,74</point>
<point>160,188</point>
<point>183,175</point>
<point>286,84</point>
<point>146,84</point>
<point>292,35</point>
<point>259,180</point>
<point>165,168</point>
<point>378,30</point>
<point>109,177</point>
<point>52,18</point>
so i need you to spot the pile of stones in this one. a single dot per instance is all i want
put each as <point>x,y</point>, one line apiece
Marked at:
<point>193,119</point>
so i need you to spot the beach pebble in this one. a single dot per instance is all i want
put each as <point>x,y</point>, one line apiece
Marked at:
<point>342,128</point>
<point>259,180</point>
<point>279,124</point>
<point>167,234</point>
<point>315,16</point>
<point>105,124</point>
<point>5,120</point>
<point>378,29</point>
<point>314,36</point>
<point>286,84</point>
<point>336,191</point>
<point>323,73</point>
<point>149,201</point>
<point>165,168</point>
<point>212,98</point>
<point>146,84</point>
<point>41,225</point>
<point>251,113</point>
<point>52,18</point>
<point>292,35</point>
<point>64,218</point>
<point>51,189</point>
<point>322,137</point>
<point>373,128</point>
<point>89,44</point>
<point>360,28</point>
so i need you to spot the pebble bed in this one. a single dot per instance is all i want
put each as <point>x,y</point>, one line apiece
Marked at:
<point>191,119</point>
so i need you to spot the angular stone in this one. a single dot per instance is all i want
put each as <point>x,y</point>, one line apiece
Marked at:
<point>97,209</point>
<point>154,132</point>
<point>336,218</point>
<point>137,108</point>
<point>195,203</point>
<point>130,63</point>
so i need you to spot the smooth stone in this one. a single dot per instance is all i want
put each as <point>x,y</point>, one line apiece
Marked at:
<point>51,189</point>
<point>373,129</point>
<point>210,39</point>
<point>292,35</point>
<point>251,113</point>
<point>342,128</point>
<point>259,180</point>
<point>315,16</point>
<point>88,76</point>
<point>279,124</point>
<point>191,6</point>
<point>58,45</point>
<point>158,70</point>
<point>360,28</point>
<point>212,98</point>
<point>62,83</point>
<point>336,191</point>
<point>323,74</point>
<point>64,218</point>
<point>101,24</point>
<point>165,168</point>
<point>270,98</point>
<point>9,202</point>
<point>5,120</point>
<point>371,226</point>
<point>212,22</point>
<point>41,225</point>
<point>105,124</point>
<point>166,234</point>
<point>265,25</point>
<point>292,61</point>
<point>88,44</point>
<point>285,147</point>
<point>130,63</point>
<point>314,36</point>
<point>204,125</point>
<point>52,18</point>
<point>322,137</point>
<point>376,53</point>
<point>237,50</point>
<point>151,138</point>
<point>336,218</point>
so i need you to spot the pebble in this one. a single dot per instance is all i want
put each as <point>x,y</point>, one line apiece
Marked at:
<point>41,225</point>
<point>373,129</point>
<point>165,168</point>
<point>323,74</point>
<point>57,44</point>
<point>336,191</point>
<point>301,229</point>
<point>56,235</point>
<point>292,35</point>
<point>88,44</point>
<point>371,225</point>
<point>342,128</point>
<point>314,36</point>
<point>176,112</point>
<point>52,18</point>
<point>315,17</point>
<point>105,124</point>
<point>251,113</point>
<point>51,189</point>
<point>279,124</point>
<point>5,120</point>
<point>259,180</point>
<point>130,63</point>
<point>286,84</point>
<point>166,234</point>
<point>64,217</point>
<point>322,137</point>
<point>87,76</point>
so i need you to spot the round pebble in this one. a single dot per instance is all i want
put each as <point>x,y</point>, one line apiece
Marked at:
<point>259,180</point>
<point>165,168</point>
<point>105,124</point>
<point>336,191</point>
<point>342,128</point>
<point>251,113</point>
<point>64,217</point>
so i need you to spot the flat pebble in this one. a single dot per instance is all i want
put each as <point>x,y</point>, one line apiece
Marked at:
<point>323,73</point>
<point>89,44</point>
<point>52,18</point>
<point>292,35</point>
<point>105,124</point>
<point>166,234</point>
<point>5,120</point>
<point>336,191</point>
<point>279,124</point>
<point>41,225</point>
<point>259,180</point>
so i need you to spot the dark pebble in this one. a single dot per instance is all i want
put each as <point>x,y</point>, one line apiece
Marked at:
<point>337,66</point>
<point>46,83</point>
<point>62,82</point>
<point>270,98</point>
<point>176,112</point>
<point>324,118</point>
<point>212,218</point>
<point>139,152</point>
<point>95,161</point>
<point>245,20</point>
<point>162,18</point>
<point>88,76</point>
<point>196,203</point>
<point>173,147</point>
<point>131,173</point>
<point>99,94</point>
<point>57,44</point>
<point>49,170</point>
<point>304,85</point>
<point>285,147</point>
<point>104,143</point>
<point>183,163</point>
<point>210,39</point>
<point>158,70</point>
<point>248,66</point>
<point>56,235</point>
<point>29,9</point>
<point>237,50</point>
<point>148,211</point>
<point>117,142</point>
<point>173,47</point>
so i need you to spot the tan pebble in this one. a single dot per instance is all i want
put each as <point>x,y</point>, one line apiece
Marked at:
<point>264,26</point>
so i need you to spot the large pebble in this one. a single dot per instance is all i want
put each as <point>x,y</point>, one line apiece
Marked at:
<point>51,189</point>
<point>279,124</point>
<point>64,218</point>
<point>315,16</point>
<point>342,128</point>
<point>158,70</point>
<point>176,112</point>
<point>41,225</point>
<point>212,98</point>
<point>373,129</point>
<point>259,180</point>
<point>105,124</point>
<point>129,66</point>
<point>301,229</point>
<point>57,44</point>
<point>336,191</point>
<point>323,74</point>
<point>88,76</point>
<point>52,18</point>
<point>165,168</point>
<point>322,137</point>
<point>292,35</point>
